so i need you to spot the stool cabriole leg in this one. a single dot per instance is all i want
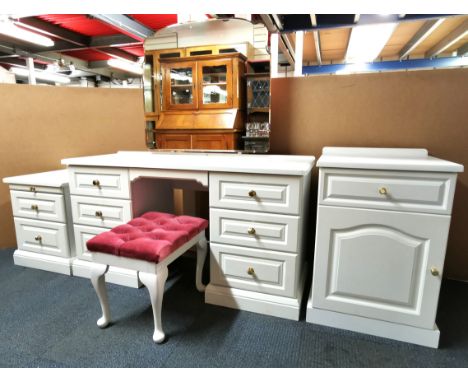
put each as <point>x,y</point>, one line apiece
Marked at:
<point>98,272</point>
<point>202,248</point>
<point>155,283</point>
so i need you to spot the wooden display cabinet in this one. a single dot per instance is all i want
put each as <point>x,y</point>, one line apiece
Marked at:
<point>199,101</point>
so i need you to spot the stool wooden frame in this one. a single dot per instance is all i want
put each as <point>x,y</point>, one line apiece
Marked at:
<point>152,275</point>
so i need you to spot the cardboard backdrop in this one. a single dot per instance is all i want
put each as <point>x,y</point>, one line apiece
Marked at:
<point>427,109</point>
<point>40,125</point>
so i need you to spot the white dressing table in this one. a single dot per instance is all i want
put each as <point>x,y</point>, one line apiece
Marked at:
<point>258,207</point>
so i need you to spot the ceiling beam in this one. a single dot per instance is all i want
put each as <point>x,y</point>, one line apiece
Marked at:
<point>457,34</point>
<point>118,53</point>
<point>268,22</point>
<point>52,30</point>
<point>15,61</point>
<point>318,52</point>
<point>278,22</point>
<point>423,32</point>
<point>126,25</point>
<point>285,51</point>
<point>114,40</point>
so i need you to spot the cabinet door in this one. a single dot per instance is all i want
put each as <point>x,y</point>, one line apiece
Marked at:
<point>377,264</point>
<point>174,141</point>
<point>179,86</point>
<point>214,83</point>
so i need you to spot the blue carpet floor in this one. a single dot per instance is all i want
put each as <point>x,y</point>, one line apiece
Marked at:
<point>49,320</point>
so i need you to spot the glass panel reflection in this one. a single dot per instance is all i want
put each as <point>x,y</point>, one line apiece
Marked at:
<point>214,94</point>
<point>181,86</point>
<point>214,74</point>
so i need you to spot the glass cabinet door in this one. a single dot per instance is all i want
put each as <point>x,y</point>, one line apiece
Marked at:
<point>179,86</point>
<point>215,84</point>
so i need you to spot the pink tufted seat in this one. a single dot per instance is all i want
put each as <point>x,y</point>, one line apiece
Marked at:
<point>151,237</point>
<point>157,238</point>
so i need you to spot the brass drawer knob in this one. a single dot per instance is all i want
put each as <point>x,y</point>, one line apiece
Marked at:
<point>32,189</point>
<point>251,231</point>
<point>252,194</point>
<point>383,191</point>
<point>35,207</point>
<point>251,271</point>
<point>38,238</point>
<point>98,214</point>
<point>434,271</point>
<point>96,183</point>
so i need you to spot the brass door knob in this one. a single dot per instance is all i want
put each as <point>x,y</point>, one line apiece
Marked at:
<point>434,271</point>
<point>251,231</point>
<point>383,191</point>
<point>35,207</point>
<point>38,238</point>
<point>96,183</point>
<point>98,214</point>
<point>252,194</point>
<point>250,271</point>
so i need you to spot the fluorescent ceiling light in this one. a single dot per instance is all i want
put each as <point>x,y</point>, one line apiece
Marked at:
<point>9,29</point>
<point>367,41</point>
<point>41,75</point>
<point>126,66</point>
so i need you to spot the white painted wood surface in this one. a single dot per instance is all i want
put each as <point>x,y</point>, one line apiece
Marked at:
<point>254,229</point>
<point>389,190</point>
<point>100,212</point>
<point>382,226</point>
<point>105,182</point>
<point>211,162</point>
<point>263,193</point>
<point>55,179</point>
<point>38,205</point>
<point>384,159</point>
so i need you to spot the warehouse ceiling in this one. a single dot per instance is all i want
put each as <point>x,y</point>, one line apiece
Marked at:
<point>88,42</point>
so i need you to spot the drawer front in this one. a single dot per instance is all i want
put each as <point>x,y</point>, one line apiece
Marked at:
<point>253,269</point>
<point>253,229</point>
<point>82,235</point>
<point>390,190</point>
<point>36,205</point>
<point>43,237</point>
<point>263,193</point>
<point>108,182</point>
<point>100,212</point>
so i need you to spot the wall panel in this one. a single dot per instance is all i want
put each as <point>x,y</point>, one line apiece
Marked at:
<point>427,109</point>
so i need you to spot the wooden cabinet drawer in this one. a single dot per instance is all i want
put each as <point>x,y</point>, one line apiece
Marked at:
<point>100,212</point>
<point>108,182</point>
<point>392,190</point>
<point>36,205</point>
<point>82,235</point>
<point>253,229</point>
<point>39,236</point>
<point>253,269</point>
<point>264,193</point>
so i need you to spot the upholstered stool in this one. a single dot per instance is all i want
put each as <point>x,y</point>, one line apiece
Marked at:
<point>147,244</point>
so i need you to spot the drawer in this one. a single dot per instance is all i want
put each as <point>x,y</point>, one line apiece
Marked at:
<point>82,235</point>
<point>254,229</point>
<point>36,205</point>
<point>39,236</point>
<point>253,269</point>
<point>263,193</point>
<point>388,190</point>
<point>108,182</point>
<point>100,212</point>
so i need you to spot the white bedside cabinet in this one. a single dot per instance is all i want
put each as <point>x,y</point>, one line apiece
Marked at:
<point>382,225</point>
<point>42,214</point>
